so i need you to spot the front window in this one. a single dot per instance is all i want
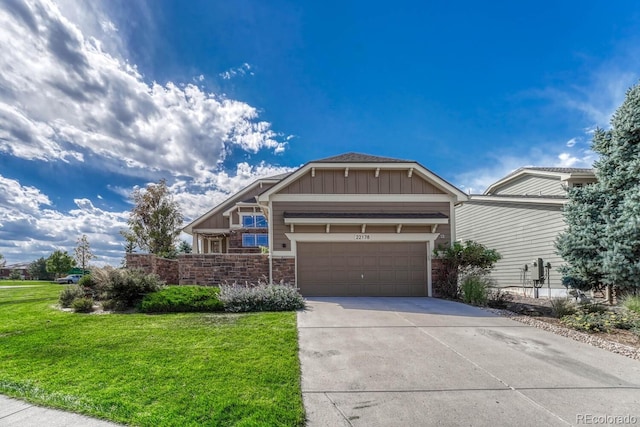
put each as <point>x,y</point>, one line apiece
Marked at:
<point>254,221</point>
<point>251,240</point>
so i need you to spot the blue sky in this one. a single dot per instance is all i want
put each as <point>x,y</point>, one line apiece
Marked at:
<point>97,98</point>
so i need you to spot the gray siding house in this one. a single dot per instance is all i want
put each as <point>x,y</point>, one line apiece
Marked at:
<point>520,216</point>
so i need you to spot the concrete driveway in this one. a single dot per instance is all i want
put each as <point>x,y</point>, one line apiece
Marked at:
<point>424,361</point>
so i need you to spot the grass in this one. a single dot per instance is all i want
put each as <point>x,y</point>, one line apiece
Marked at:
<point>632,303</point>
<point>182,369</point>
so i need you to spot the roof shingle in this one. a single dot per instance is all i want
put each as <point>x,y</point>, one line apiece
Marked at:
<point>360,158</point>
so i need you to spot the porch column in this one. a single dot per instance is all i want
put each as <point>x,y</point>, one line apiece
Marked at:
<point>194,245</point>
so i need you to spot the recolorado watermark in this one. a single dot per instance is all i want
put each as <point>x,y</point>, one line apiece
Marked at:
<point>591,419</point>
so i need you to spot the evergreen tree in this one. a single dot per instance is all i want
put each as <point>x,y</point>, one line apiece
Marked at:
<point>619,172</point>
<point>38,270</point>
<point>184,247</point>
<point>581,244</point>
<point>602,242</point>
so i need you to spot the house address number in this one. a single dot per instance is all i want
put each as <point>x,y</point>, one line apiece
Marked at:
<point>363,237</point>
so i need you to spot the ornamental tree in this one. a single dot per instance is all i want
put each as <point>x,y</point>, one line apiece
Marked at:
<point>155,222</point>
<point>83,253</point>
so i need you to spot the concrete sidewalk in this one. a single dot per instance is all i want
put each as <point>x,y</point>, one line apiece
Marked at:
<point>423,361</point>
<point>18,413</point>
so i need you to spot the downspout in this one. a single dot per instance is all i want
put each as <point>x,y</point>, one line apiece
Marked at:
<point>270,225</point>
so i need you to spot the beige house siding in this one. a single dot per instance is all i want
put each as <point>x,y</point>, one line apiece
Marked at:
<point>532,185</point>
<point>280,228</point>
<point>521,233</point>
<point>360,181</point>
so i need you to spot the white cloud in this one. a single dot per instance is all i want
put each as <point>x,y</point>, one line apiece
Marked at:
<point>81,98</point>
<point>28,225</point>
<point>242,70</point>
<point>16,197</point>
<point>570,143</point>
<point>197,199</point>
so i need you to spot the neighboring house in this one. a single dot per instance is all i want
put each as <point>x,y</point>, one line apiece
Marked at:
<point>22,269</point>
<point>352,224</point>
<point>520,216</point>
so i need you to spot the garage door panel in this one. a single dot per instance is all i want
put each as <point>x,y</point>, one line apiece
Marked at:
<point>362,269</point>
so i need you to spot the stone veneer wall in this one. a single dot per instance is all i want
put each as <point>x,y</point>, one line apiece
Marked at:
<point>166,269</point>
<point>436,272</point>
<point>215,269</point>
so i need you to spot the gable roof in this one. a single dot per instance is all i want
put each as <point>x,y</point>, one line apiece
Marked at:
<point>272,180</point>
<point>562,174</point>
<point>360,158</point>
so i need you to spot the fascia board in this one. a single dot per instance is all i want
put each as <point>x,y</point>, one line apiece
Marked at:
<point>368,221</point>
<point>528,200</point>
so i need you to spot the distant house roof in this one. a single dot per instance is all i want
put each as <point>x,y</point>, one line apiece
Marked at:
<point>562,173</point>
<point>550,169</point>
<point>360,158</point>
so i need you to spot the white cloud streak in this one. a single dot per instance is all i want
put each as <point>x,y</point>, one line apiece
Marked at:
<point>242,70</point>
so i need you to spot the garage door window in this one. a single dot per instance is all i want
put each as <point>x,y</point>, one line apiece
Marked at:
<point>251,240</point>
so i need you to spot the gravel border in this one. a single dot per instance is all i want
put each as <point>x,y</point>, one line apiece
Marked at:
<point>611,346</point>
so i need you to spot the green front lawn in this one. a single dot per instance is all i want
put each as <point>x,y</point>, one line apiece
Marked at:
<point>153,370</point>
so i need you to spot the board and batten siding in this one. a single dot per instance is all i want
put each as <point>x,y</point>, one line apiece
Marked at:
<point>519,232</point>
<point>357,181</point>
<point>532,186</point>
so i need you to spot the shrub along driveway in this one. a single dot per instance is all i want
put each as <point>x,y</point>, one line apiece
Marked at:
<point>423,361</point>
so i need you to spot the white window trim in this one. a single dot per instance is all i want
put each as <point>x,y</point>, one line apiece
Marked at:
<point>256,239</point>
<point>244,214</point>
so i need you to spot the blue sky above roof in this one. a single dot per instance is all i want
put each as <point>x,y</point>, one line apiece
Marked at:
<point>100,97</point>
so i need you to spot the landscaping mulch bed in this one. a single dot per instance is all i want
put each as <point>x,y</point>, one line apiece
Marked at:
<point>537,313</point>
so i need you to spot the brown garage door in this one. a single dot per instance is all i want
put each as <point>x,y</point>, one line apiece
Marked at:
<point>362,269</point>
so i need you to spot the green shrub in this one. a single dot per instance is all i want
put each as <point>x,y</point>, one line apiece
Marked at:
<point>70,293</point>
<point>175,299</point>
<point>261,297</point>
<point>601,322</point>
<point>632,303</point>
<point>82,305</point>
<point>86,281</point>
<point>561,307</point>
<point>474,290</point>
<point>127,288</point>
<point>592,307</point>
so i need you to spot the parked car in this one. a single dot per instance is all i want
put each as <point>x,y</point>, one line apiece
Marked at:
<point>71,278</point>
